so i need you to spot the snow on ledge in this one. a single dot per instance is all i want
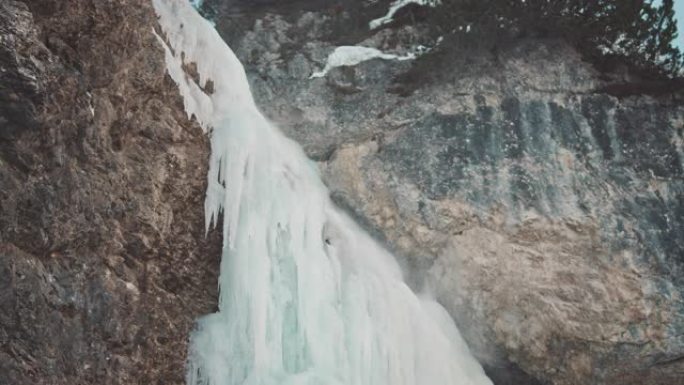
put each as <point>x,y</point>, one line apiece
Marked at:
<point>395,7</point>
<point>353,55</point>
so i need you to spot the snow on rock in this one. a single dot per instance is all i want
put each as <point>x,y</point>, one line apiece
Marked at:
<point>353,55</point>
<point>395,7</point>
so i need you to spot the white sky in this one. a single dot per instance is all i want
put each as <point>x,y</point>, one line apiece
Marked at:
<point>679,13</point>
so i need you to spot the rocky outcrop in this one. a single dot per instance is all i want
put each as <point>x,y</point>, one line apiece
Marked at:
<point>104,264</point>
<point>542,208</point>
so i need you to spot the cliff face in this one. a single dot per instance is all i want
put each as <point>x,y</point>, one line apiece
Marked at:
<point>545,211</point>
<point>104,265</point>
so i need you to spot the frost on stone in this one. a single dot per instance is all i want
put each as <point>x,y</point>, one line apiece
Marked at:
<point>353,55</point>
<point>306,296</point>
<point>395,7</point>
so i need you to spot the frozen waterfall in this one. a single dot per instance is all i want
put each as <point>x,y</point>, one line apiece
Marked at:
<point>307,298</point>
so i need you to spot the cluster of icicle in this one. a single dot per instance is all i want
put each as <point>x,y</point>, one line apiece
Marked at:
<point>306,297</point>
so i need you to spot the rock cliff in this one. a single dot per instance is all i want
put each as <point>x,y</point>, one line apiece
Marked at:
<point>104,264</point>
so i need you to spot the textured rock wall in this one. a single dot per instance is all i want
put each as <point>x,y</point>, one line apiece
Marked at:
<point>104,264</point>
<point>543,211</point>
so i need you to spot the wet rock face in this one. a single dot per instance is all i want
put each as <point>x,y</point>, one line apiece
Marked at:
<point>545,214</point>
<point>104,264</point>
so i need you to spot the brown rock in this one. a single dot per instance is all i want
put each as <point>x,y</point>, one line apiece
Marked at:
<point>104,264</point>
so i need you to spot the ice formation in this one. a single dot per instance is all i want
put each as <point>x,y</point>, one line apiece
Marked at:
<point>306,297</point>
<point>350,55</point>
<point>395,7</point>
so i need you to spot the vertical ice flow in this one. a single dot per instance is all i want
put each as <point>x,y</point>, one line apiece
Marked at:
<point>306,297</point>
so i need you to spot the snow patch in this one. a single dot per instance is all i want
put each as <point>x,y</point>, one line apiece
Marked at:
<point>353,55</point>
<point>395,7</point>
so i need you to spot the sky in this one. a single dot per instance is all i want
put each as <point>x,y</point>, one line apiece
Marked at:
<point>679,13</point>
